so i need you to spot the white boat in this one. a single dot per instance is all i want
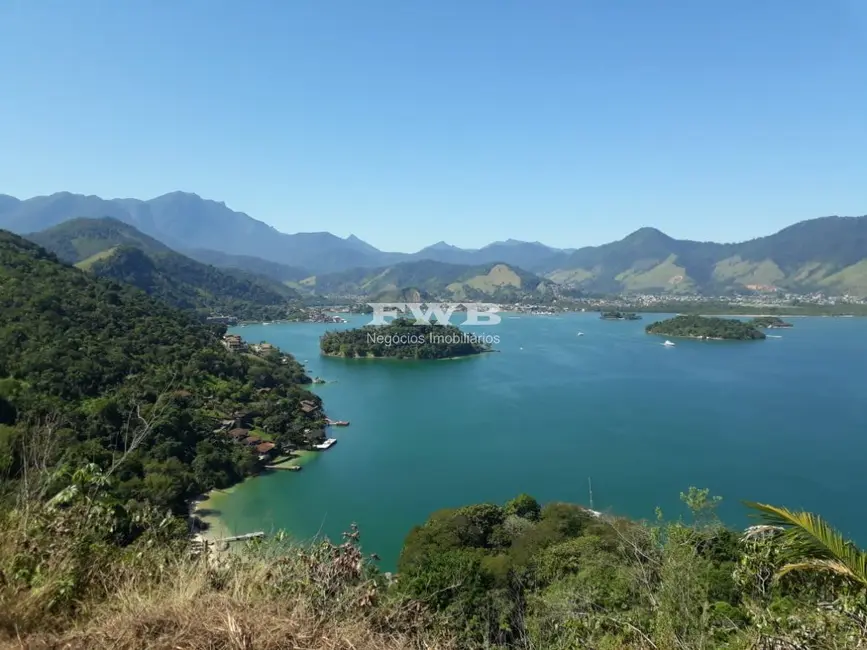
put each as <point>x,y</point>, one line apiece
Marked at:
<point>580,334</point>
<point>326,444</point>
<point>668,344</point>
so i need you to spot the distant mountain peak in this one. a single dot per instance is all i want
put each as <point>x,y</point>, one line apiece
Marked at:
<point>647,233</point>
<point>442,246</point>
<point>178,194</point>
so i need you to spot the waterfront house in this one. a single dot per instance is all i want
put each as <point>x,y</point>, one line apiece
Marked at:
<point>308,407</point>
<point>234,343</point>
<point>266,449</point>
<point>263,348</point>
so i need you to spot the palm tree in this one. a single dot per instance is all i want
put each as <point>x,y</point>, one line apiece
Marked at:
<point>812,544</point>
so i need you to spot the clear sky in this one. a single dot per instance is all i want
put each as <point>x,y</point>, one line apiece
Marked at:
<point>406,122</point>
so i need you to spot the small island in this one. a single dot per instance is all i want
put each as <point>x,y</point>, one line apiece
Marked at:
<point>769,322</point>
<point>405,339</point>
<point>619,315</point>
<point>706,328</point>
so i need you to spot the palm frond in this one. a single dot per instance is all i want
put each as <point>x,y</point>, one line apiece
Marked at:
<point>814,544</point>
<point>831,566</point>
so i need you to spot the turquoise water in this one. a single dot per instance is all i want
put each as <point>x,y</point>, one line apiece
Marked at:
<point>782,420</point>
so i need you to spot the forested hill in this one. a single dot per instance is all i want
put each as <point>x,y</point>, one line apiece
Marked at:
<point>94,363</point>
<point>187,284</point>
<point>113,249</point>
<point>77,240</point>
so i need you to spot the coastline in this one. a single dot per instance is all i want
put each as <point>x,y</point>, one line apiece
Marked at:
<point>206,507</point>
<point>371,357</point>
<point>698,338</point>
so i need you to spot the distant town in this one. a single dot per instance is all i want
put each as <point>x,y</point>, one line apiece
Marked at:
<point>775,301</point>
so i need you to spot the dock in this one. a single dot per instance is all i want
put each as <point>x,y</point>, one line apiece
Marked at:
<point>242,538</point>
<point>337,423</point>
<point>288,468</point>
<point>325,445</point>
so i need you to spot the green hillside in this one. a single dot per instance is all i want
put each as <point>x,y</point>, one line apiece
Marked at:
<point>112,249</point>
<point>187,284</point>
<point>99,363</point>
<point>826,254</point>
<point>77,240</point>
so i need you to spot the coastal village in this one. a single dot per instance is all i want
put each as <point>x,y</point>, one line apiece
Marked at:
<point>238,428</point>
<point>271,455</point>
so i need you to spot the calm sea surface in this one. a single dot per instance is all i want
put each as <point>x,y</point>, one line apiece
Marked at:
<point>782,420</point>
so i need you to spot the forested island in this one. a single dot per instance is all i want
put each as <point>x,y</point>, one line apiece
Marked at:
<point>405,339</point>
<point>706,327</point>
<point>619,315</point>
<point>769,322</point>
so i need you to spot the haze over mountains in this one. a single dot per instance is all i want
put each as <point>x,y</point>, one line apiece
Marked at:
<point>827,254</point>
<point>112,249</point>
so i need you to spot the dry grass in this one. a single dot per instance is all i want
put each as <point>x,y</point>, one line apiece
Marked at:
<point>211,622</point>
<point>271,596</point>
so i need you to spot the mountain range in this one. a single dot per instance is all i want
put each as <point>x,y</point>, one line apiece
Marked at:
<point>431,279</point>
<point>827,254</point>
<point>115,250</point>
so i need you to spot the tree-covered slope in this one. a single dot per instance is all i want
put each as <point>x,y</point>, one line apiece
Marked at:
<point>113,249</point>
<point>87,365</point>
<point>77,240</point>
<point>187,284</point>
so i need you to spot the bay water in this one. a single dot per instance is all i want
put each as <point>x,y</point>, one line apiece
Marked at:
<point>569,401</point>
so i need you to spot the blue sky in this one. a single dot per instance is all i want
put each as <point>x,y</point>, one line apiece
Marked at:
<point>571,122</point>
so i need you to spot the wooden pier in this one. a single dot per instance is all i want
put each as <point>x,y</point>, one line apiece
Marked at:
<point>287,468</point>
<point>242,538</point>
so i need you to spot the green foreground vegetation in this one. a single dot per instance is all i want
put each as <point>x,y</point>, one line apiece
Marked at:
<point>402,339</point>
<point>483,576</point>
<point>705,327</point>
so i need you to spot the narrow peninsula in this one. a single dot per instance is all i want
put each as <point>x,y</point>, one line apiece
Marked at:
<point>405,339</point>
<point>769,322</point>
<point>706,328</point>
